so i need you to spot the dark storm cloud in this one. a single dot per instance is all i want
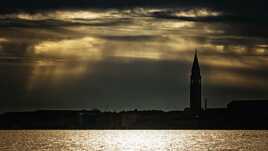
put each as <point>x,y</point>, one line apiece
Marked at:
<point>32,5</point>
<point>36,4</point>
<point>235,8</point>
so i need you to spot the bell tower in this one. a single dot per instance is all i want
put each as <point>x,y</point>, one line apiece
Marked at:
<point>195,87</point>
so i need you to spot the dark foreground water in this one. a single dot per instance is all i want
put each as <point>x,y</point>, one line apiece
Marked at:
<point>133,140</point>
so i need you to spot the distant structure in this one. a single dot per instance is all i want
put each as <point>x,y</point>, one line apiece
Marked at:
<point>248,106</point>
<point>206,104</point>
<point>195,87</point>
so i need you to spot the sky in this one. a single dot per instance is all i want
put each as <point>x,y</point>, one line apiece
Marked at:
<point>119,55</point>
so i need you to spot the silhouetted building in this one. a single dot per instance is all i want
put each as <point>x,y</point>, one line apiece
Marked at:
<point>248,106</point>
<point>195,88</point>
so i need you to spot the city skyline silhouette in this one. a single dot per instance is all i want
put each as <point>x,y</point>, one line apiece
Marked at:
<point>238,114</point>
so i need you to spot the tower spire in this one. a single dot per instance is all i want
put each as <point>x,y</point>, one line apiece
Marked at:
<point>195,97</point>
<point>195,56</point>
<point>195,67</point>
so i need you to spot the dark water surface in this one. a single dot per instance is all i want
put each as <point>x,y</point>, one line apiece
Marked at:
<point>132,140</point>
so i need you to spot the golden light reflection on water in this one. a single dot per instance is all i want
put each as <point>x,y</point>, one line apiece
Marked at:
<point>133,140</point>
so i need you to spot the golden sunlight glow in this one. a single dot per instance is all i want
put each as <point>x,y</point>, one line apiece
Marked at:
<point>65,15</point>
<point>197,13</point>
<point>262,46</point>
<point>31,16</point>
<point>224,62</point>
<point>181,45</point>
<point>94,14</point>
<point>235,79</point>
<point>83,48</point>
<point>238,49</point>
<point>175,24</point>
<point>260,50</point>
<point>219,48</point>
<point>55,71</point>
<point>83,14</point>
<point>156,55</point>
<point>3,40</point>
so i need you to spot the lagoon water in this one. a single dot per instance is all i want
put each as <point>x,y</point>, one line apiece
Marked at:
<point>132,140</point>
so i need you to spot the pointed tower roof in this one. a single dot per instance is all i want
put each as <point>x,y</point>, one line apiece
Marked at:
<point>195,67</point>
